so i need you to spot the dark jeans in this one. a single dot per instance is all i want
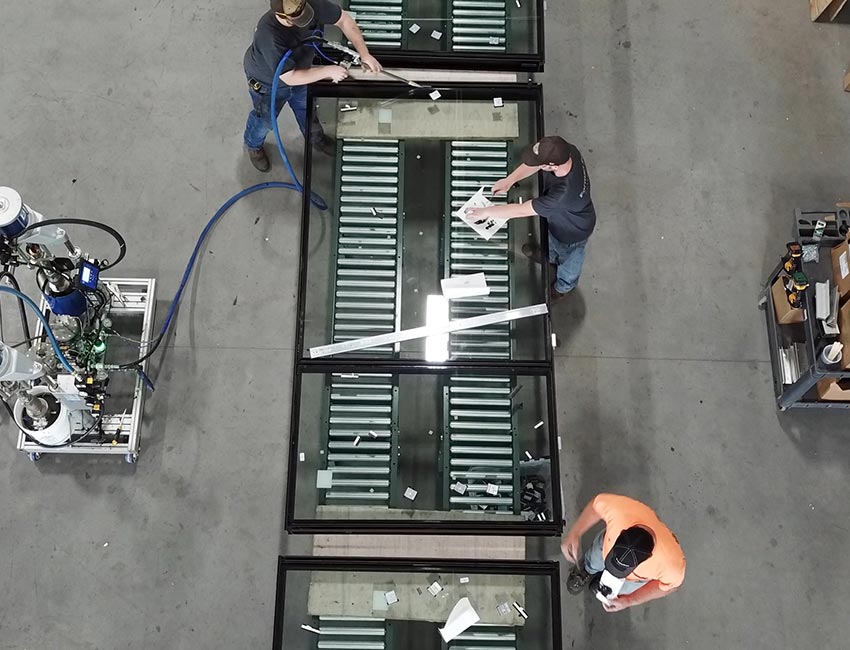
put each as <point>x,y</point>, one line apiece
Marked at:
<point>260,121</point>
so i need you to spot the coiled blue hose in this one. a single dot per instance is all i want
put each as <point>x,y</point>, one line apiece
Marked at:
<point>296,185</point>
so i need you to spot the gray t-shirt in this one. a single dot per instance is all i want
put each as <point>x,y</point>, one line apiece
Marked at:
<point>272,40</point>
<point>566,204</point>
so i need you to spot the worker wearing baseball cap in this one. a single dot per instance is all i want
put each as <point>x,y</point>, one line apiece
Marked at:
<point>283,28</point>
<point>565,204</point>
<point>634,548</point>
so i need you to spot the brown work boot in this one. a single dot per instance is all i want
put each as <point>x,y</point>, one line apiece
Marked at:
<point>555,295</point>
<point>577,579</point>
<point>533,252</point>
<point>259,159</point>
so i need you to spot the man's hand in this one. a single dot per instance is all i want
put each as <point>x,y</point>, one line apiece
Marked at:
<point>615,605</point>
<point>569,547</point>
<point>336,73</point>
<point>502,185</point>
<point>476,214</point>
<point>370,63</point>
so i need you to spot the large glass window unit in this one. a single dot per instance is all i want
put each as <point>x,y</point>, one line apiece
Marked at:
<point>448,432</point>
<point>470,34</point>
<point>392,604</point>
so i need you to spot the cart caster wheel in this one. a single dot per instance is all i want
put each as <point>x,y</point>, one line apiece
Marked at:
<point>34,456</point>
<point>131,458</point>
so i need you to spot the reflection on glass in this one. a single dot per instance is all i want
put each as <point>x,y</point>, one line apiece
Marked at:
<point>373,610</point>
<point>490,26</point>
<point>454,447</point>
<point>403,168</point>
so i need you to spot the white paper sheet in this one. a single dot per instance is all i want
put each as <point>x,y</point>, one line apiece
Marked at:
<point>465,286</point>
<point>462,617</point>
<point>488,227</point>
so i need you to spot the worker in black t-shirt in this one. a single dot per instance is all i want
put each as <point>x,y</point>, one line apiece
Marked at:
<point>565,204</point>
<point>282,28</point>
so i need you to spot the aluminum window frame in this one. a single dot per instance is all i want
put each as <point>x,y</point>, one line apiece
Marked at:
<point>546,569</point>
<point>303,364</point>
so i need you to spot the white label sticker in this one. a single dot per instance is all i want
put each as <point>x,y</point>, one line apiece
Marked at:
<point>302,457</point>
<point>464,580</point>
<point>436,35</point>
<point>391,597</point>
<point>410,493</point>
<point>459,487</point>
<point>414,28</point>
<point>842,263</point>
<point>434,588</point>
<point>498,102</point>
<point>492,490</point>
<point>324,479</point>
<point>435,95</point>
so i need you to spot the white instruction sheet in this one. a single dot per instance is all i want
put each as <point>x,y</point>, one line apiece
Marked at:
<point>463,617</point>
<point>485,228</point>
<point>465,286</point>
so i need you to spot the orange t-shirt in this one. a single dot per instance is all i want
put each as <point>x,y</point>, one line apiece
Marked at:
<point>667,563</point>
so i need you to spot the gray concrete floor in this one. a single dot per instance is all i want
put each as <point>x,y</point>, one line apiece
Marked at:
<point>704,124</point>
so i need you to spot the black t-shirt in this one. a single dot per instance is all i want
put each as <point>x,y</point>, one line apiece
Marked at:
<point>272,40</point>
<point>566,203</point>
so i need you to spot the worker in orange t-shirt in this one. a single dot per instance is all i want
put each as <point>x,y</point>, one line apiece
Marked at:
<point>635,559</point>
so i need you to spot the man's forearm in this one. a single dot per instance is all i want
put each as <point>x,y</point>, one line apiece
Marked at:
<point>303,77</point>
<point>521,173</point>
<point>586,520</point>
<point>511,211</point>
<point>352,32</point>
<point>650,591</point>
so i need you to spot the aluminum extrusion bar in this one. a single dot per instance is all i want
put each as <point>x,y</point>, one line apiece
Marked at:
<point>425,331</point>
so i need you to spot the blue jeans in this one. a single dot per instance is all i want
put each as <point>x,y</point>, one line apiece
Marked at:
<point>594,562</point>
<point>260,121</point>
<point>569,258</point>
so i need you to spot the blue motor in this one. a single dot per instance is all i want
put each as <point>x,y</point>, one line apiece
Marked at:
<point>14,215</point>
<point>61,293</point>
<point>70,304</point>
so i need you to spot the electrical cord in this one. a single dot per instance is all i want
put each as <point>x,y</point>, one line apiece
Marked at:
<point>122,245</point>
<point>26,299</point>
<point>23,312</point>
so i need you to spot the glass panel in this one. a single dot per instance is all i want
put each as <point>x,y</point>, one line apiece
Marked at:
<point>376,257</point>
<point>492,27</point>
<point>452,447</point>
<point>382,610</point>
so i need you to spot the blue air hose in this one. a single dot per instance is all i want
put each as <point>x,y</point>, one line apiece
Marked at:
<point>315,199</point>
<point>296,185</point>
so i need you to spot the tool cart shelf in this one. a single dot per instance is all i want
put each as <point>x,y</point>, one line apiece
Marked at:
<point>805,339</point>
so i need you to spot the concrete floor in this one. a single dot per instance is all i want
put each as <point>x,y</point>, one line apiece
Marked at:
<point>704,124</point>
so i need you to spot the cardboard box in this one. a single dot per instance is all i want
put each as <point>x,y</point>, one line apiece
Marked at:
<point>841,269</point>
<point>829,390</point>
<point>785,313</point>
<point>844,333</point>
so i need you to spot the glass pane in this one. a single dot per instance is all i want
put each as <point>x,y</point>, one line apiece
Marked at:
<point>494,27</point>
<point>374,610</point>
<point>376,257</point>
<point>456,447</point>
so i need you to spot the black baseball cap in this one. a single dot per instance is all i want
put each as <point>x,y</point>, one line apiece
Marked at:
<point>633,546</point>
<point>298,12</point>
<point>551,150</point>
